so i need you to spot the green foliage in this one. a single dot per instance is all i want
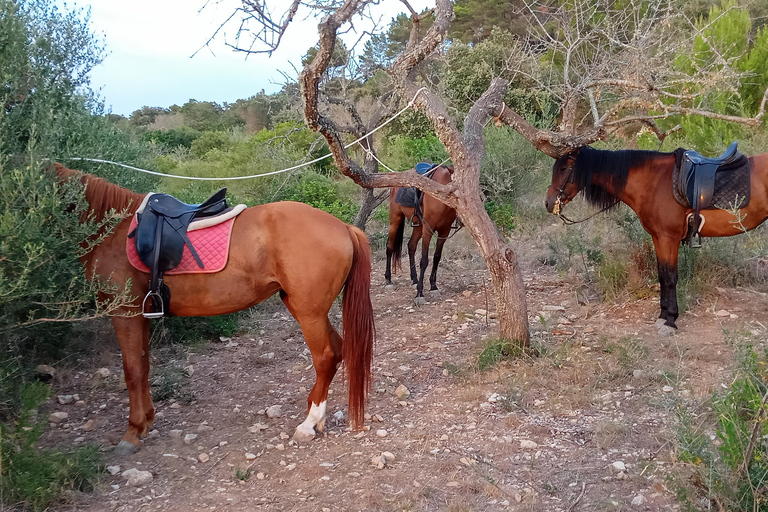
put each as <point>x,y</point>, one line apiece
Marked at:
<point>209,141</point>
<point>37,479</point>
<point>475,19</point>
<point>403,152</point>
<point>171,139</point>
<point>723,37</point>
<point>191,330</point>
<point>319,191</point>
<point>718,464</point>
<point>497,350</point>
<point>146,115</point>
<point>503,215</point>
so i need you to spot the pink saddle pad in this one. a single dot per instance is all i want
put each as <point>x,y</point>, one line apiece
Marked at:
<point>211,244</point>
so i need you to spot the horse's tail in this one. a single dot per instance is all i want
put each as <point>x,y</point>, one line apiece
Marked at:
<point>358,329</point>
<point>398,245</point>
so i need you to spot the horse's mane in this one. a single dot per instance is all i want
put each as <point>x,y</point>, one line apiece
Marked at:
<point>102,196</point>
<point>614,166</point>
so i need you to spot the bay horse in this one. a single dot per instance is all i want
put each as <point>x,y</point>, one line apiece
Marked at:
<point>643,181</point>
<point>435,217</point>
<point>306,255</point>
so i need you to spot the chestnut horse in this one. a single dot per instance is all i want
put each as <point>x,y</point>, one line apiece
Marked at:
<point>305,254</point>
<point>643,181</point>
<point>435,218</point>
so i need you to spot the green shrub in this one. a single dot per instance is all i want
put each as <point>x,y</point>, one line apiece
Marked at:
<point>496,350</point>
<point>209,141</point>
<point>36,479</point>
<point>719,474</point>
<point>171,139</point>
<point>319,191</point>
<point>176,330</point>
<point>503,215</point>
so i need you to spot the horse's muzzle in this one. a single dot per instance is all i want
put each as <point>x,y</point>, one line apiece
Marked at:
<point>551,200</point>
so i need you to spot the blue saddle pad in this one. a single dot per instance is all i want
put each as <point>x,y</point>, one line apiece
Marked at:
<point>424,167</point>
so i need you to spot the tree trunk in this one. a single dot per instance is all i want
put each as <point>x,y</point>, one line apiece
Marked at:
<point>369,202</point>
<point>506,276</point>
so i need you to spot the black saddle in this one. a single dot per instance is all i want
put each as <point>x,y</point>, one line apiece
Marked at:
<point>160,237</point>
<point>697,181</point>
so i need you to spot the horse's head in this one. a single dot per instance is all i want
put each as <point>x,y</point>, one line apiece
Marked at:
<point>563,187</point>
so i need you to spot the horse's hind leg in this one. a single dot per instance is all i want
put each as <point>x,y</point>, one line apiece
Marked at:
<point>395,221</point>
<point>426,238</point>
<point>133,335</point>
<point>413,244</point>
<point>325,345</point>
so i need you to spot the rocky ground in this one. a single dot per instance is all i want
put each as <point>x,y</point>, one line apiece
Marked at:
<point>589,424</point>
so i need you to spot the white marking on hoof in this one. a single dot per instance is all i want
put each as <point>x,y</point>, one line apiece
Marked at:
<point>315,418</point>
<point>666,331</point>
<point>660,322</point>
<point>125,448</point>
<point>419,301</point>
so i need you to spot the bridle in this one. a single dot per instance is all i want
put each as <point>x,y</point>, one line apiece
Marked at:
<point>561,197</point>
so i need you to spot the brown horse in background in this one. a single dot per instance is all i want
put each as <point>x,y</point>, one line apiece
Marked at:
<point>435,218</point>
<point>305,254</point>
<point>643,181</point>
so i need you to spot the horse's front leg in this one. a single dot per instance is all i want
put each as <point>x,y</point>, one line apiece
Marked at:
<point>442,235</point>
<point>666,257</point>
<point>133,335</point>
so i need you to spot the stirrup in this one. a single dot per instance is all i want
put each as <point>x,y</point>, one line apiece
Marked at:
<point>152,314</point>
<point>695,241</point>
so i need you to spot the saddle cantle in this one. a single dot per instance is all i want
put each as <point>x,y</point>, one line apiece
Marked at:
<point>704,183</point>
<point>161,235</point>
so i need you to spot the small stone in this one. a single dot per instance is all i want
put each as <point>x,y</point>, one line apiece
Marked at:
<point>89,425</point>
<point>377,418</point>
<point>638,374</point>
<point>619,466</point>
<point>467,293</point>
<point>189,438</point>
<point>79,440</point>
<point>190,370</point>
<point>378,461</point>
<point>381,433</point>
<point>526,444</point>
<point>284,436</point>
<point>260,476</point>
<point>481,312</point>
<point>113,470</point>
<point>621,476</point>
<point>338,415</point>
<point>128,472</point>
<point>80,402</point>
<point>667,389</point>
<point>204,428</point>
<point>203,457</point>
<point>280,447</point>
<point>452,484</point>
<point>140,478</point>
<point>444,437</point>
<point>552,308</point>
<point>175,405</point>
<point>175,433</point>
<point>274,411</point>
<point>589,330</point>
<point>268,355</point>
<point>45,372</point>
<point>222,444</point>
<point>58,417</point>
<point>236,410</point>
<point>102,373</point>
<point>388,457</point>
<point>402,392</point>
<point>290,467</point>
<point>66,399</point>
<point>258,427</point>
<point>723,313</point>
<point>250,456</point>
<point>638,500</point>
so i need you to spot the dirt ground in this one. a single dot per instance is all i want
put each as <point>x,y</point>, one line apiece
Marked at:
<point>587,425</point>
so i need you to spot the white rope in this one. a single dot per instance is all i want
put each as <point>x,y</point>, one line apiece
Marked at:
<point>232,178</point>
<point>372,155</point>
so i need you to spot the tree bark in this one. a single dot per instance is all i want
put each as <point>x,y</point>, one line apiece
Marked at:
<point>463,193</point>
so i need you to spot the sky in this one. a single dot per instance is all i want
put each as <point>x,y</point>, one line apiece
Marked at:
<point>151,43</point>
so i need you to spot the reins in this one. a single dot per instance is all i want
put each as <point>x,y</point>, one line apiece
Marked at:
<point>569,222</point>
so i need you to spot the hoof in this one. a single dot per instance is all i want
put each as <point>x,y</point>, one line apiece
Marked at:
<point>666,331</point>
<point>389,287</point>
<point>660,322</point>
<point>303,436</point>
<point>419,301</point>
<point>125,448</point>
